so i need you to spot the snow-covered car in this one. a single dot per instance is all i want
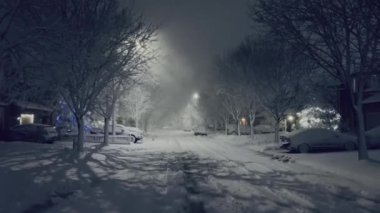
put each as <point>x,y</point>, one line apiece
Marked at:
<point>373,137</point>
<point>95,130</point>
<point>136,133</point>
<point>306,140</point>
<point>119,130</point>
<point>263,128</point>
<point>200,131</point>
<point>232,129</point>
<point>32,132</point>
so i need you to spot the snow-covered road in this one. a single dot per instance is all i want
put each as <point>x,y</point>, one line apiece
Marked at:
<point>172,171</point>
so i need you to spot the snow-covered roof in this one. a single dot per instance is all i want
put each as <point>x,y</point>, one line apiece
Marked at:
<point>372,99</point>
<point>35,106</point>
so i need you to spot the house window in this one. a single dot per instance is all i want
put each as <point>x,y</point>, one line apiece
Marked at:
<point>26,118</point>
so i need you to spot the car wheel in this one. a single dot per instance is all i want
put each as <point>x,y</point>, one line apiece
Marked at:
<point>304,148</point>
<point>134,139</point>
<point>349,146</point>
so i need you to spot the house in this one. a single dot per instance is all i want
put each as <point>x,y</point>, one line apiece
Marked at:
<point>16,113</point>
<point>371,104</point>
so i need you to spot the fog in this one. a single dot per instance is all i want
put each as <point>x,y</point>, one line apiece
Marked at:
<point>191,35</point>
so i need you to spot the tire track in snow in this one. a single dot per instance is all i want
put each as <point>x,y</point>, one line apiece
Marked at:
<point>280,195</point>
<point>180,168</point>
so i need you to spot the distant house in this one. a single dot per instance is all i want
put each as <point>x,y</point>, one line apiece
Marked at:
<point>371,104</point>
<point>16,113</point>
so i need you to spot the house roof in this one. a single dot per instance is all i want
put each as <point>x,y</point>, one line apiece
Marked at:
<point>372,99</point>
<point>35,106</point>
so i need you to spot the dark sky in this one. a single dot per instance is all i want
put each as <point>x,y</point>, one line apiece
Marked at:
<point>192,33</point>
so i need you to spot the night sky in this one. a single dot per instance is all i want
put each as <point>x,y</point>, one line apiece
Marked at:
<point>192,33</point>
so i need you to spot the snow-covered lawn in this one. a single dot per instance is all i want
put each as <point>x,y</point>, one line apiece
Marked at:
<point>341,163</point>
<point>170,171</point>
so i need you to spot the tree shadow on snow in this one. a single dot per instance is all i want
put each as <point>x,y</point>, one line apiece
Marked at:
<point>119,180</point>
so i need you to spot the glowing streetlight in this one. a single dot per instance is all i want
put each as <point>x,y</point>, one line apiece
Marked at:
<point>290,118</point>
<point>244,121</point>
<point>196,96</point>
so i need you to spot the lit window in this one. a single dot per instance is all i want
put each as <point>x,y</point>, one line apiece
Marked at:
<point>26,118</point>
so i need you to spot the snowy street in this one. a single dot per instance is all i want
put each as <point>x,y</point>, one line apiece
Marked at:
<point>171,171</point>
<point>202,106</point>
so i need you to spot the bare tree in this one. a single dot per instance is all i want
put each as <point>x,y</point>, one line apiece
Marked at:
<point>138,102</point>
<point>241,63</point>
<point>106,103</point>
<point>130,68</point>
<point>96,37</point>
<point>24,41</point>
<point>211,107</point>
<point>233,102</point>
<point>237,85</point>
<point>341,36</point>
<point>278,73</point>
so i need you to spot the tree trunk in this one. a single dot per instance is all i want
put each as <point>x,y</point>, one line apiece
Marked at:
<point>226,126</point>
<point>238,126</point>
<point>277,131</point>
<point>113,126</point>
<point>251,122</point>
<point>78,143</point>
<point>362,148</point>
<point>146,123</point>
<point>106,130</point>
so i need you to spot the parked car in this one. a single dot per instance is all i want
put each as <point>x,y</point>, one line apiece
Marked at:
<point>32,132</point>
<point>263,129</point>
<point>306,140</point>
<point>119,129</point>
<point>66,132</point>
<point>232,129</point>
<point>96,130</point>
<point>200,131</point>
<point>136,133</point>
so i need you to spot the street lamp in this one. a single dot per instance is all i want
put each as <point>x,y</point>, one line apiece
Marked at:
<point>290,119</point>
<point>196,96</point>
<point>243,121</point>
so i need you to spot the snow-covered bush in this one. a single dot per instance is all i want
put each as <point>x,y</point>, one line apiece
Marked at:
<point>316,117</point>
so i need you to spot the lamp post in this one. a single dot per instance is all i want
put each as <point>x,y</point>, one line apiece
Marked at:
<point>290,119</point>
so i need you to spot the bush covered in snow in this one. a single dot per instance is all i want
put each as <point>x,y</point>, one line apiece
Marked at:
<point>316,117</point>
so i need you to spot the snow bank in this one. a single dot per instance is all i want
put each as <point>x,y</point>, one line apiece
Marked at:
<point>346,164</point>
